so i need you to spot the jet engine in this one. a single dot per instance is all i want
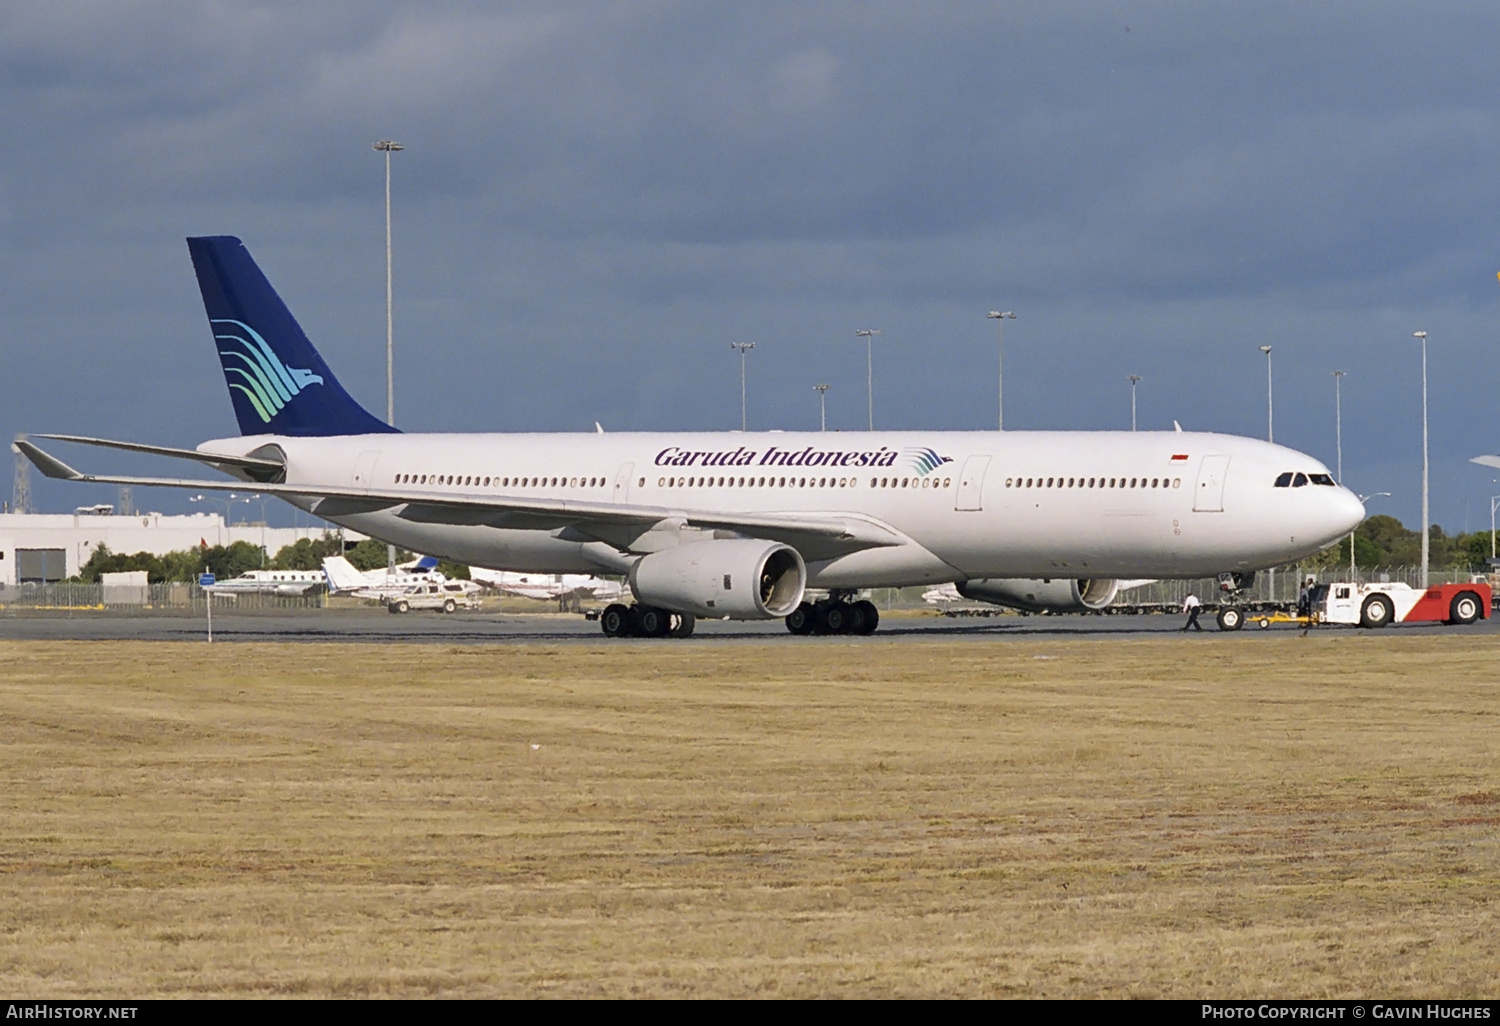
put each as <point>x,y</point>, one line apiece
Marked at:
<point>1053,595</point>
<point>741,578</point>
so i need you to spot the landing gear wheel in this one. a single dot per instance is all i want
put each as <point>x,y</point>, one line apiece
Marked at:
<point>654,623</point>
<point>1230,619</point>
<point>801,619</point>
<point>1464,609</point>
<point>854,618</point>
<point>1376,612</point>
<point>616,621</point>
<point>450,606</point>
<point>836,618</point>
<point>682,625</point>
<point>869,616</point>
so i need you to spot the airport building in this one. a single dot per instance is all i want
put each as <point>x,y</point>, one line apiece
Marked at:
<point>42,547</point>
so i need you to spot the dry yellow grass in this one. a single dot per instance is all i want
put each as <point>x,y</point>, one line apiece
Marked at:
<point>1274,816</point>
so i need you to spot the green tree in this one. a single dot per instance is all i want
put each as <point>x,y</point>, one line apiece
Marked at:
<point>103,561</point>
<point>453,571</point>
<point>308,553</point>
<point>370,555</point>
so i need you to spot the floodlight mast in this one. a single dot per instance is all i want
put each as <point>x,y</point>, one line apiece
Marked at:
<point>742,347</point>
<point>388,146</point>
<point>1426,530</point>
<point>822,390</point>
<point>1000,317</point>
<point>1270,417</point>
<point>868,334</point>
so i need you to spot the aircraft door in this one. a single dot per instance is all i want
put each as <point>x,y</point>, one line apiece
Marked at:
<point>971,484</point>
<point>622,482</point>
<point>1208,497</point>
<point>364,469</point>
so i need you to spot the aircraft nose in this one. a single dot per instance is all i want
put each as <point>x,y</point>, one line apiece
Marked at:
<point>1345,512</point>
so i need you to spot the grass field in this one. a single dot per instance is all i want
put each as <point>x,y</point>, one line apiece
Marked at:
<point>1225,816</point>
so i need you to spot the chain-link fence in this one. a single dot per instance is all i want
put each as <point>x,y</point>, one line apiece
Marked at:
<point>147,599</point>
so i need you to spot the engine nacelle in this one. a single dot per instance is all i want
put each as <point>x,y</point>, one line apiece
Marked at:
<point>741,578</point>
<point>1054,595</point>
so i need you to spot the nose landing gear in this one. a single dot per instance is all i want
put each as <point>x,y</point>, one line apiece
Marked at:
<point>1231,617</point>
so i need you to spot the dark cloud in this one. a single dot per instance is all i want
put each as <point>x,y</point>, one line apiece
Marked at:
<point>597,198</point>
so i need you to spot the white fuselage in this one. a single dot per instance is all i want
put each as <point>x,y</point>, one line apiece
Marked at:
<point>965,504</point>
<point>270,582</point>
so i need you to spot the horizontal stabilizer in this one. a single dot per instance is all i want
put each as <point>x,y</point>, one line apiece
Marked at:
<point>1487,461</point>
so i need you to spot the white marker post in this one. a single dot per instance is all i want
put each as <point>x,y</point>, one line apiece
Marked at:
<point>205,581</point>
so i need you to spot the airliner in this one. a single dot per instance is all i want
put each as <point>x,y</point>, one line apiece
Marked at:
<point>737,525</point>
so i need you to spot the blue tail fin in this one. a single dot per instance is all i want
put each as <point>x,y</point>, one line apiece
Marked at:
<point>277,381</point>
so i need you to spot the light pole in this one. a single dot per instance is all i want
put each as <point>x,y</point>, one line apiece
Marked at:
<point>1134,378</point>
<point>1000,317</point>
<point>1494,499</point>
<point>822,391</point>
<point>388,146</point>
<point>1425,540</point>
<point>868,334</point>
<point>742,347</point>
<point>1338,426</point>
<point>262,499</point>
<point>1270,420</point>
<point>228,504</point>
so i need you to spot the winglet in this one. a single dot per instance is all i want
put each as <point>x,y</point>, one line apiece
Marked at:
<point>48,465</point>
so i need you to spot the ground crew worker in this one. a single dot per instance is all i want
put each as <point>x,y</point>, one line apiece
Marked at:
<point>1192,607</point>
<point>1304,600</point>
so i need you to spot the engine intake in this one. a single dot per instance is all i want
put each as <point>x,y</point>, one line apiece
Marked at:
<point>741,578</point>
<point>1053,595</point>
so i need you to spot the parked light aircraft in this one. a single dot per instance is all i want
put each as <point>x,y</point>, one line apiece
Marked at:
<point>382,584</point>
<point>270,582</point>
<point>548,586</point>
<point>742,525</point>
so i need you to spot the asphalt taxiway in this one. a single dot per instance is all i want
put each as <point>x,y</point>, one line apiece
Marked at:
<point>379,627</point>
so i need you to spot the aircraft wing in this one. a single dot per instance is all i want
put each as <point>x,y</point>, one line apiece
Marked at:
<point>816,535</point>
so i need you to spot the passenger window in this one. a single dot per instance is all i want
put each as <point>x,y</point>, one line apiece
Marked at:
<point>1300,480</point>
<point>1153,482</point>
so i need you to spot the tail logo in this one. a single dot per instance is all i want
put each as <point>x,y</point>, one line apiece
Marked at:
<point>923,461</point>
<point>268,383</point>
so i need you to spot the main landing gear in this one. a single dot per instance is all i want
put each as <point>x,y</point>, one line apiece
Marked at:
<point>621,621</point>
<point>834,615</point>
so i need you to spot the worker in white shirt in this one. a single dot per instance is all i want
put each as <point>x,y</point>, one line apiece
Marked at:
<point>1192,607</point>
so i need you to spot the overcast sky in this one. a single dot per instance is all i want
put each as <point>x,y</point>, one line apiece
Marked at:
<point>597,198</point>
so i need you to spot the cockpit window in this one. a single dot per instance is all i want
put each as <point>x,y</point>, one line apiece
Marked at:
<point>1321,479</point>
<point>1284,480</point>
<point>1299,480</point>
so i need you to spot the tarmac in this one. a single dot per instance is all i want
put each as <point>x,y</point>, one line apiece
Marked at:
<point>375,626</point>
